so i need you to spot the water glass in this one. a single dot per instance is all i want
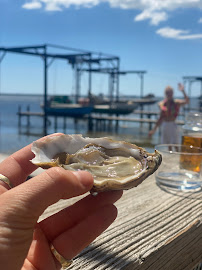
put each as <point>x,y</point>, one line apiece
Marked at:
<point>181,167</point>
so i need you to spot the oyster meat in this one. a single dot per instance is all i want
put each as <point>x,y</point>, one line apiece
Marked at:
<point>115,165</point>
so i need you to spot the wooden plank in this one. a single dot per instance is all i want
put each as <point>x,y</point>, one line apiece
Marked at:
<point>30,113</point>
<point>146,113</point>
<point>105,118</point>
<point>125,119</point>
<point>154,230</point>
<point>151,113</point>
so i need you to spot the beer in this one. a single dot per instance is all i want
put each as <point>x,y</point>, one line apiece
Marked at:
<point>192,136</point>
<point>189,161</point>
<point>194,139</point>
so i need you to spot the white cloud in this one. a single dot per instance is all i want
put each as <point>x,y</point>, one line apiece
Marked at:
<point>32,5</point>
<point>179,34</point>
<point>154,17</point>
<point>59,5</point>
<point>155,11</point>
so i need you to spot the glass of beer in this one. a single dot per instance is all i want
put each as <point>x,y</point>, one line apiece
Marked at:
<point>181,168</point>
<point>192,130</point>
<point>192,138</point>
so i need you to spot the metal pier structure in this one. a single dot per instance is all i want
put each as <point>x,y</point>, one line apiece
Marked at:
<point>80,61</point>
<point>96,122</point>
<point>190,80</point>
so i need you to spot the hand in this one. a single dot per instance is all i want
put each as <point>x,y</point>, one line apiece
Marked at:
<point>24,242</point>
<point>151,132</point>
<point>181,87</point>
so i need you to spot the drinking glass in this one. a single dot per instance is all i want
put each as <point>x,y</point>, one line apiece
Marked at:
<point>192,130</point>
<point>181,167</point>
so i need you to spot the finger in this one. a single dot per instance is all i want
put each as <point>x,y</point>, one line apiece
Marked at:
<point>30,199</point>
<point>39,254</point>
<point>74,240</point>
<point>72,215</point>
<point>18,166</point>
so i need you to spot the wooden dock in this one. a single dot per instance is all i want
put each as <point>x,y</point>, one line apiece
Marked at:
<point>99,122</point>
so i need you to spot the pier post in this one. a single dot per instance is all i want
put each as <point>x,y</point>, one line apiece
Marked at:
<point>55,123</point>
<point>76,124</point>
<point>141,114</point>
<point>64,124</point>
<point>117,123</point>
<point>28,116</point>
<point>150,124</point>
<point>104,125</point>
<point>90,123</point>
<point>19,116</point>
<point>97,124</point>
<point>109,125</point>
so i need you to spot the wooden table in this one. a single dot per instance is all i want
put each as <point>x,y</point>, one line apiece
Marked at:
<point>154,230</point>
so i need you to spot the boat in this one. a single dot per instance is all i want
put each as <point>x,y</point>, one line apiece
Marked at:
<point>71,110</point>
<point>63,106</point>
<point>125,105</point>
<point>115,108</point>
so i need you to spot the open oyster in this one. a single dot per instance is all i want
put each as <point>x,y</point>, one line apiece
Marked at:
<point>114,165</point>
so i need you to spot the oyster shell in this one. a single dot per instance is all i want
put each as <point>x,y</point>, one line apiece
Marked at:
<point>115,165</point>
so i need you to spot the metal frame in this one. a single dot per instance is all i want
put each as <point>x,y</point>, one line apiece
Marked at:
<point>80,60</point>
<point>190,80</point>
<point>114,74</point>
<point>101,64</point>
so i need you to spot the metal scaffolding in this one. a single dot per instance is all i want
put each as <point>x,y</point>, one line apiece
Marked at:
<point>114,74</point>
<point>190,80</point>
<point>79,60</point>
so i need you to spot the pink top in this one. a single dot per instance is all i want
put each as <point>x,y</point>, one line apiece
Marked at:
<point>170,109</point>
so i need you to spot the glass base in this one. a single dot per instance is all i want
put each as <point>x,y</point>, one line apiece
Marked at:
<point>182,181</point>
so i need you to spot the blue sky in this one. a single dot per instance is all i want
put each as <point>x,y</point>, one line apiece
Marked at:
<point>162,37</point>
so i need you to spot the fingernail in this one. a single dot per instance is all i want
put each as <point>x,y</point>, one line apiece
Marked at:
<point>84,177</point>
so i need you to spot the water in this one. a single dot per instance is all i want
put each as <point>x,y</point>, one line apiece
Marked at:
<point>12,139</point>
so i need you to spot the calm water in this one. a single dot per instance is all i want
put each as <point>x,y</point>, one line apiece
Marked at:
<point>12,139</point>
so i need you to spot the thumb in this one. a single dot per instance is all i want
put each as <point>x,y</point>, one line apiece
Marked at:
<point>30,199</point>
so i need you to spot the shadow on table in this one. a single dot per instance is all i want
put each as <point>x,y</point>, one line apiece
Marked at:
<point>95,256</point>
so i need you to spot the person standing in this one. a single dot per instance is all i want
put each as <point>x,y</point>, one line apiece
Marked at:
<point>169,110</point>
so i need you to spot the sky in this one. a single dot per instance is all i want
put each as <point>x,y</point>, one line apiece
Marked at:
<point>164,38</point>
